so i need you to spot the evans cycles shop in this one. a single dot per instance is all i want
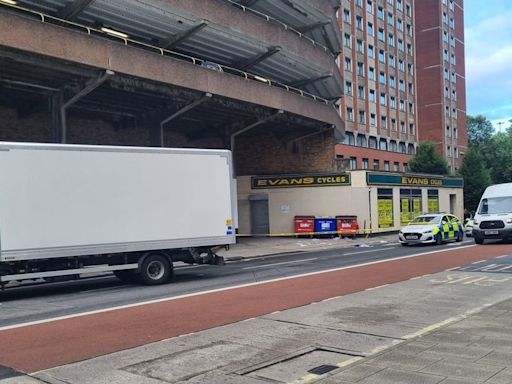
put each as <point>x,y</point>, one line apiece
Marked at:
<point>382,201</point>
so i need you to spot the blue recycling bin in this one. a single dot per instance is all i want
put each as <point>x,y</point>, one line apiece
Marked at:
<point>325,226</point>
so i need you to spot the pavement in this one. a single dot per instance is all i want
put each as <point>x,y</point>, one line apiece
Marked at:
<point>248,247</point>
<point>450,327</point>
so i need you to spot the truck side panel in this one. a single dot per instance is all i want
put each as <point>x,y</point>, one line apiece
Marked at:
<point>63,200</point>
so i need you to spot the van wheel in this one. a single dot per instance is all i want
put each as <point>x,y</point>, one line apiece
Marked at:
<point>155,269</point>
<point>479,240</point>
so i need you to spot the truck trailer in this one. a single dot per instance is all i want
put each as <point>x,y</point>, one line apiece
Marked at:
<point>67,210</point>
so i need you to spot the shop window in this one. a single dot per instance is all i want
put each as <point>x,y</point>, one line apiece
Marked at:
<point>410,204</point>
<point>385,207</point>
<point>433,201</point>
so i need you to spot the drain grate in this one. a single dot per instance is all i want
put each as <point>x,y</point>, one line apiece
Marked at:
<point>321,369</point>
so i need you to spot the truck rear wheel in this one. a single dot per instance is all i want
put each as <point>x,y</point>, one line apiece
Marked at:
<point>155,269</point>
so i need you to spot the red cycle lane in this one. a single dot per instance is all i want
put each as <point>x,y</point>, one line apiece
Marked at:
<point>36,347</point>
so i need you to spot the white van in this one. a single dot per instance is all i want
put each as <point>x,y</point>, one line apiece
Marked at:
<point>493,218</point>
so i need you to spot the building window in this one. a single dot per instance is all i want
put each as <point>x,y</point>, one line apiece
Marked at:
<point>383,144</point>
<point>360,69</point>
<point>383,122</point>
<point>396,166</point>
<point>362,117</point>
<point>376,165</point>
<point>401,85</point>
<point>382,99</point>
<point>360,92</point>
<point>393,125</point>
<point>399,5</point>
<point>380,13</point>
<point>353,163</point>
<point>381,56</point>
<point>361,141</point>
<point>392,101</point>
<point>411,129</point>
<point>371,73</point>
<point>370,29</point>
<point>410,149</point>
<point>401,65</point>
<point>365,163</point>
<point>350,114</point>
<point>386,165</point>
<point>348,88</point>
<point>402,127</point>
<point>433,200</point>
<point>347,41</point>
<point>369,7</point>
<point>371,51</point>
<point>400,45</point>
<point>392,81</point>
<point>402,148</point>
<point>406,167</point>
<point>399,25</point>
<point>391,39</point>
<point>385,206</point>
<point>349,138</point>
<point>391,20</point>
<point>371,95</point>
<point>402,105</point>
<point>346,16</point>
<point>372,119</point>
<point>372,142</point>
<point>348,64</point>
<point>392,62</point>
<point>392,146</point>
<point>380,34</point>
<point>359,22</point>
<point>382,78</point>
<point>445,55</point>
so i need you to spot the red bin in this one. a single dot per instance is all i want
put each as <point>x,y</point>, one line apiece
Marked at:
<point>347,225</point>
<point>304,224</point>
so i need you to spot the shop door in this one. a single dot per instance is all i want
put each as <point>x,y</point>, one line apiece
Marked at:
<point>453,203</point>
<point>259,217</point>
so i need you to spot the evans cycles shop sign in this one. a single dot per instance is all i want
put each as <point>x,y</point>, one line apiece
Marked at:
<point>296,181</point>
<point>413,181</point>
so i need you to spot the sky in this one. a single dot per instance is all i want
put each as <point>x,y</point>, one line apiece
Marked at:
<point>488,37</point>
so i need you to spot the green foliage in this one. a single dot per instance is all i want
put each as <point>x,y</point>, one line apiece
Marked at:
<point>427,160</point>
<point>494,148</point>
<point>480,131</point>
<point>476,178</point>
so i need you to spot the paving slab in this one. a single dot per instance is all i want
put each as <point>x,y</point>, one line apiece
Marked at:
<point>462,369</point>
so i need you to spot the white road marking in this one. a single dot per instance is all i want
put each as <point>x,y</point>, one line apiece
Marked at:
<point>166,299</point>
<point>358,253</point>
<point>283,263</point>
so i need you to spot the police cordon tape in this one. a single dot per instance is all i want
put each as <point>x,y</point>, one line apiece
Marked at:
<point>345,233</point>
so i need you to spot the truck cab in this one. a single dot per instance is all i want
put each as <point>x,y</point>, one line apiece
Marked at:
<point>493,218</point>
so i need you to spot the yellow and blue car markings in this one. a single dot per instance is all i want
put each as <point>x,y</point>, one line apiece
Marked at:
<point>447,231</point>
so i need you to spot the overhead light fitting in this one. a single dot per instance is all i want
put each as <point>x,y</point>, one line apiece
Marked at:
<point>10,2</point>
<point>262,79</point>
<point>112,32</point>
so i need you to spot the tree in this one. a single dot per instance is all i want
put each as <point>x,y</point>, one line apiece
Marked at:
<point>499,157</point>
<point>427,160</point>
<point>480,131</point>
<point>476,178</point>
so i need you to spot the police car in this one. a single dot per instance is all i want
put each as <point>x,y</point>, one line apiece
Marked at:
<point>432,228</point>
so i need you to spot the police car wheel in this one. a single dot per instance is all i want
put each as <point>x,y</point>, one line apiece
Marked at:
<point>460,237</point>
<point>439,239</point>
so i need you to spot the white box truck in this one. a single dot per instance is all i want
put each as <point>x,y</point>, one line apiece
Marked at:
<point>66,210</point>
<point>493,218</point>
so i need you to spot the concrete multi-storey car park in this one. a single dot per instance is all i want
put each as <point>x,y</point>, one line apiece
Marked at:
<point>209,74</point>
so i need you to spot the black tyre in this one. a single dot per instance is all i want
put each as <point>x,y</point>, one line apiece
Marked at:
<point>479,240</point>
<point>460,237</point>
<point>155,269</point>
<point>439,239</point>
